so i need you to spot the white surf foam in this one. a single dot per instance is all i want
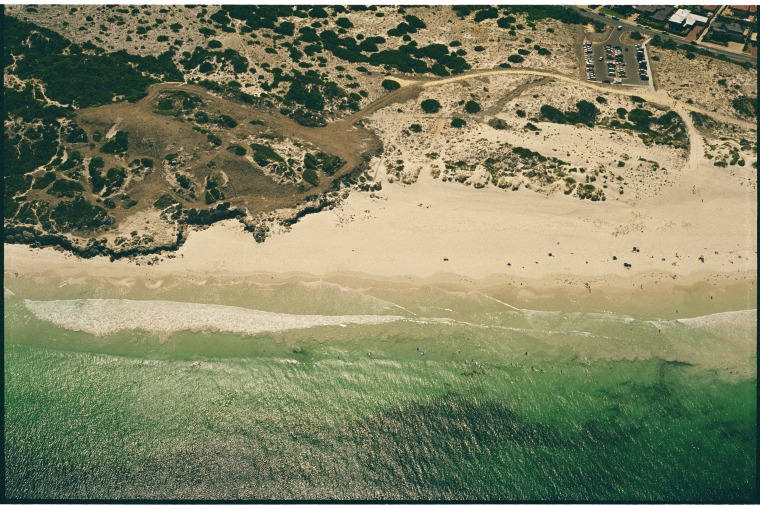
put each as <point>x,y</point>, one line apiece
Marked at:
<point>720,322</point>
<point>106,316</point>
<point>736,317</point>
<point>7,293</point>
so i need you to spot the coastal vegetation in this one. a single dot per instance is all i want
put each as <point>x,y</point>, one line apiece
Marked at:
<point>232,131</point>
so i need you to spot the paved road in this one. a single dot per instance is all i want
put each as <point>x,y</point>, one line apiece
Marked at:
<point>646,31</point>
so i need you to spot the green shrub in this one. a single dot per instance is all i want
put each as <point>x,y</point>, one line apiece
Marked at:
<point>225,121</point>
<point>79,215</point>
<point>458,122</point>
<point>489,13</point>
<point>285,28</point>
<point>553,114</point>
<point>587,111</point>
<point>430,106</point>
<point>164,201</point>
<point>212,192</point>
<point>515,58</point>
<point>214,140</point>
<point>44,181</point>
<point>641,118</point>
<point>497,124</point>
<point>322,161</point>
<point>390,84</point>
<point>318,13</point>
<point>118,145</point>
<point>745,105</point>
<point>76,135</point>
<point>311,177</point>
<point>472,107</point>
<point>237,150</point>
<point>79,78</point>
<point>415,22</point>
<point>344,23</point>
<point>263,155</point>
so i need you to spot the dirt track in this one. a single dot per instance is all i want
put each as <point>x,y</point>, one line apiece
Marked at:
<point>346,138</point>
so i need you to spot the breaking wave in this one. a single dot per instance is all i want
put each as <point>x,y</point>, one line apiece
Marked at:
<point>106,316</point>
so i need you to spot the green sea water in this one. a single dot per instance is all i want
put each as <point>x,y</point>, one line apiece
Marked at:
<point>460,398</point>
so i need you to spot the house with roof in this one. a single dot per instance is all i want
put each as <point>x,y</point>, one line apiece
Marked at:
<point>655,12</point>
<point>684,18</point>
<point>727,32</point>
<point>746,10</point>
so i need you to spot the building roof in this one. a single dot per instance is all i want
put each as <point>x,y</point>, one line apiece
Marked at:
<point>686,18</point>
<point>728,27</point>
<point>710,8</point>
<point>662,13</point>
<point>646,8</point>
<point>750,9</point>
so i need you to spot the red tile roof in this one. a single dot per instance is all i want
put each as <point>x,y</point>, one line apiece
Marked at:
<point>693,34</point>
<point>744,8</point>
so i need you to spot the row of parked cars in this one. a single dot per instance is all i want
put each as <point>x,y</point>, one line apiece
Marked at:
<point>643,66</point>
<point>615,63</point>
<point>588,55</point>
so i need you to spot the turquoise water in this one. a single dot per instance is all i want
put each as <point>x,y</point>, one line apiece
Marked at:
<point>463,398</point>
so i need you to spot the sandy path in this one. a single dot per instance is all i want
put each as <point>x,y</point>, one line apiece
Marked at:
<point>659,97</point>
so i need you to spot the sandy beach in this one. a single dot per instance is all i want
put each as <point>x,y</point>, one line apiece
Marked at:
<point>701,230</point>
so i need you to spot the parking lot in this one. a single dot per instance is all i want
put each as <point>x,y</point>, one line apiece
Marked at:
<point>613,62</point>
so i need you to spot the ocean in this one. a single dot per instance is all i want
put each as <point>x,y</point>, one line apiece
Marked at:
<point>315,390</point>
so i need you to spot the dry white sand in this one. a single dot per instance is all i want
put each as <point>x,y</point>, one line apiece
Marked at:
<point>432,228</point>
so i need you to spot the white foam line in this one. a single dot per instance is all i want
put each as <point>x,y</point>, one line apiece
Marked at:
<point>503,303</point>
<point>742,317</point>
<point>738,316</point>
<point>106,316</point>
<point>7,293</point>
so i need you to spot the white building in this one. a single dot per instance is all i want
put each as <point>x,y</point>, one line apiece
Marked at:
<point>684,17</point>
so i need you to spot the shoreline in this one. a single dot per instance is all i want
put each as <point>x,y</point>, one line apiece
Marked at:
<point>535,250</point>
<point>50,274</point>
